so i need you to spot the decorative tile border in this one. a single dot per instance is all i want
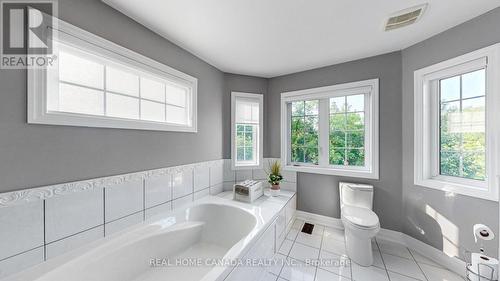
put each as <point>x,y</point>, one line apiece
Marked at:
<point>41,193</point>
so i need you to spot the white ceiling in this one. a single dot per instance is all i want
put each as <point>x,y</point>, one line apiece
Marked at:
<point>269,38</point>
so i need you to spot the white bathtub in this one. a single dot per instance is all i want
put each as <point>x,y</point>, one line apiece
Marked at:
<point>209,231</point>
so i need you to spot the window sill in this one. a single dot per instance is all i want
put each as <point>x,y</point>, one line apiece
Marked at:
<point>365,174</point>
<point>452,188</point>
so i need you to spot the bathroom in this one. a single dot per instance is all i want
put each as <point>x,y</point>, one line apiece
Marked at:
<point>92,192</point>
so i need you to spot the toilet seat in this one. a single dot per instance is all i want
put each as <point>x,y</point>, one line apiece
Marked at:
<point>360,217</point>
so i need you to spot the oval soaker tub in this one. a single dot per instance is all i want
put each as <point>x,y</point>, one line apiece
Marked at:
<point>181,246</point>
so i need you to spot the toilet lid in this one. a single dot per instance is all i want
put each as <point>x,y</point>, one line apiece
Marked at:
<point>362,217</point>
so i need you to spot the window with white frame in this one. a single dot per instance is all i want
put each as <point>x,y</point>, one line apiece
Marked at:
<point>455,105</point>
<point>332,130</point>
<point>246,130</point>
<point>99,84</point>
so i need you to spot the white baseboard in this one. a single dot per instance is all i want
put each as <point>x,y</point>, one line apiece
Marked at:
<point>452,263</point>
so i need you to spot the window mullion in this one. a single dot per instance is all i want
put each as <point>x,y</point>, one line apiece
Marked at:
<point>324,132</point>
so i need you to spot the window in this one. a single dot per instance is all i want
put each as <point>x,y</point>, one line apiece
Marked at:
<point>99,84</point>
<point>454,140</point>
<point>332,130</point>
<point>246,130</point>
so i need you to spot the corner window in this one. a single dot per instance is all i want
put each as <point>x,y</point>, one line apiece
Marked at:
<point>96,83</point>
<point>332,130</point>
<point>246,130</point>
<point>454,138</point>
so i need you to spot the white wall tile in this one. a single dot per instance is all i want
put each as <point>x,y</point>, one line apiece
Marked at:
<point>123,199</point>
<point>73,213</point>
<point>123,223</point>
<point>216,174</point>
<point>216,189</point>
<point>259,174</point>
<point>228,186</point>
<point>202,193</point>
<point>229,174</point>
<point>288,186</point>
<point>21,228</point>
<point>70,243</point>
<point>201,178</point>
<point>163,208</point>
<point>157,190</point>
<point>179,203</point>
<point>182,183</point>
<point>289,176</point>
<point>21,262</point>
<point>242,175</point>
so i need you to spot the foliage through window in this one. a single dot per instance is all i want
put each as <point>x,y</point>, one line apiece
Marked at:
<point>304,135</point>
<point>462,126</point>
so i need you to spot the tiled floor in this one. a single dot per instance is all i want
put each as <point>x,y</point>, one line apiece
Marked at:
<point>392,262</point>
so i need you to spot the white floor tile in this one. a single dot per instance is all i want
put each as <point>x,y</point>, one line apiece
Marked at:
<point>292,234</point>
<point>398,277</point>
<point>304,253</point>
<point>318,229</point>
<point>297,271</point>
<point>297,224</point>
<point>279,261</point>
<point>361,273</point>
<point>285,247</point>
<point>323,275</point>
<point>377,259</point>
<point>340,265</point>
<point>334,246</point>
<point>309,239</point>
<point>267,276</point>
<point>403,266</point>
<point>439,274</point>
<point>394,249</point>
<point>422,259</point>
<point>334,233</point>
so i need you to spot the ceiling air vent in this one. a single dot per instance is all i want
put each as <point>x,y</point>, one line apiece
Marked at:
<point>405,17</point>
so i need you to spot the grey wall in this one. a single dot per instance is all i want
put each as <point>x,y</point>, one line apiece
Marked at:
<point>33,155</point>
<point>239,83</point>
<point>318,193</point>
<point>459,211</point>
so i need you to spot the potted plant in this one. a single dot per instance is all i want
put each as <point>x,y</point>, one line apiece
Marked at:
<point>275,177</point>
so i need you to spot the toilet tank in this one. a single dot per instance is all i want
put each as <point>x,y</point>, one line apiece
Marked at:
<point>358,195</point>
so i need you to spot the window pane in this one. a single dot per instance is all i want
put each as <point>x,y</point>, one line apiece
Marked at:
<point>474,165</point>
<point>355,121</point>
<point>337,139</point>
<point>450,89</point>
<point>337,122</point>
<point>78,70</point>
<point>248,153</point>
<point>297,135</point>
<point>121,81</point>
<point>176,95</point>
<point>76,99</point>
<point>240,127</point>
<point>337,156</point>
<point>153,90</point>
<point>450,164</point>
<point>248,138</point>
<point>240,139</point>
<point>152,111</point>
<point>311,107</point>
<point>298,108</point>
<point>356,157</point>
<point>311,155</point>
<point>122,106</point>
<point>240,152</point>
<point>337,105</point>
<point>297,154</point>
<point>474,141</point>
<point>356,103</point>
<point>473,115</point>
<point>356,139</point>
<point>474,84</point>
<point>176,115</point>
<point>450,141</point>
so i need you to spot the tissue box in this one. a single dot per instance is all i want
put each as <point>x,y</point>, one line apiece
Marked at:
<point>248,191</point>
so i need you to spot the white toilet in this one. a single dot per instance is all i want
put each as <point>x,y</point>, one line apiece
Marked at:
<point>360,222</point>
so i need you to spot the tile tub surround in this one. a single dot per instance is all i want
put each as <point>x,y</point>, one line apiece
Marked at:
<point>42,223</point>
<point>264,210</point>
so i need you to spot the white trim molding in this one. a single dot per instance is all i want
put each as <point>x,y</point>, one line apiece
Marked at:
<point>370,89</point>
<point>452,263</point>
<point>426,126</point>
<point>42,81</point>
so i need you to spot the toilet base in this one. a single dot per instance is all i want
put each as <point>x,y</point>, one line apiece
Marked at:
<point>359,249</point>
